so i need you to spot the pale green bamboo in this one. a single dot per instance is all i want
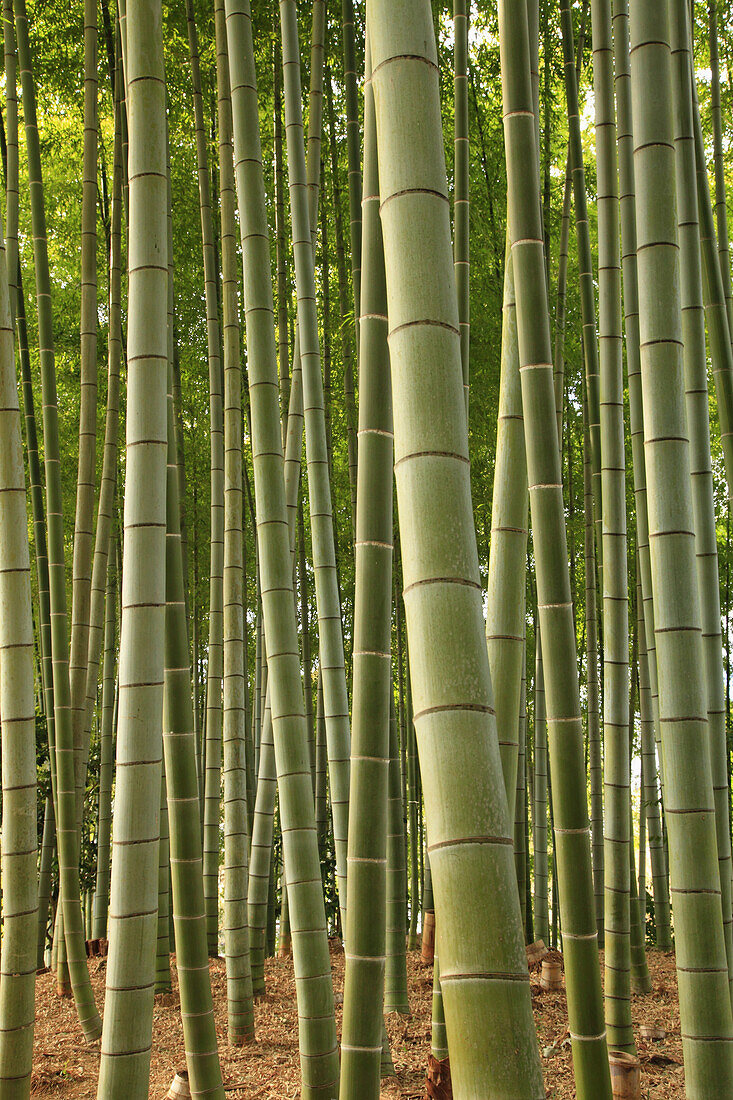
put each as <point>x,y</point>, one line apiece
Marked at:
<point>721,201</point>
<point>631,322</point>
<point>698,426</point>
<point>214,666</point>
<point>565,735</point>
<point>317,1027</point>
<point>617,777</point>
<point>86,469</point>
<point>707,1024</point>
<point>180,748</point>
<point>65,767</point>
<point>508,546</point>
<point>585,265</point>
<point>127,1032</point>
<point>240,1010</point>
<point>461,177</point>
<point>438,1035</point>
<point>362,1028</point>
<point>281,257</point>
<point>352,150</point>
<point>483,978</point>
<point>335,700</point>
<point>651,802</point>
<point>520,801</point>
<point>395,974</point>
<point>19,840</point>
<point>106,758</point>
<point>48,849</point>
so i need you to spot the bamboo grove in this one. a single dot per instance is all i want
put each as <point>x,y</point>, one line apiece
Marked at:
<point>366,455</point>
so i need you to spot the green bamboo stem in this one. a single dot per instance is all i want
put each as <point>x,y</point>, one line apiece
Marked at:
<point>214,668</point>
<point>86,469</point>
<point>66,816</point>
<point>585,265</point>
<point>321,799</point>
<point>344,308</point>
<point>240,1011</point>
<point>48,849</point>
<point>395,973</point>
<point>163,948</point>
<point>689,807</point>
<point>438,1034</point>
<point>483,979</point>
<point>362,1029</point>
<point>461,173</point>
<point>721,201</point>
<point>698,426</point>
<point>595,756</point>
<point>641,981</point>
<point>520,801</point>
<point>305,636</point>
<point>541,923</point>
<point>186,870</point>
<point>281,255</point>
<point>127,1032</point>
<point>508,546</point>
<point>106,758</point>
<point>19,841</point>
<point>651,801</point>
<point>328,603</point>
<point>631,323</point>
<point>412,810</point>
<point>616,738</point>
<point>353,150</point>
<point>565,736</point>
<point>318,1046</point>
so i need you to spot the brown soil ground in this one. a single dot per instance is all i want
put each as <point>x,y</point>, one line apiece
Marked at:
<point>64,1067</point>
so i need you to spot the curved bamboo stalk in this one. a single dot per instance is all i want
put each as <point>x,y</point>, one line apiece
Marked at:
<point>20,892</point>
<point>508,548</point>
<point>701,961</point>
<point>318,1046</point>
<point>565,735</point>
<point>469,832</point>
<point>128,1016</point>
<point>361,1036</point>
<point>66,816</point>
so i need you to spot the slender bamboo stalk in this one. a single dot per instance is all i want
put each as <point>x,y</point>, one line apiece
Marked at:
<point>361,1037</point>
<point>541,924</point>
<point>395,974</point>
<point>106,761</point>
<point>336,710</point>
<point>721,202</point>
<point>318,1046</point>
<point>698,426</point>
<point>214,667</point>
<point>163,948</point>
<point>461,174</point>
<point>20,892</point>
<point>86,470</point>
<point>617,778</point>
<point>348,39</point>
<point>469,833</point>
<point>565,736</point>
<point>689,808</point>
<point>236,840</point>
<point>127,1033</point>
<point>65,765</point>
<point>520,802</point>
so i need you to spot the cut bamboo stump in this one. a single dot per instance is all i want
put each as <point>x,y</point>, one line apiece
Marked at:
<point>551,976</point>
<point>651,1031</point>
<point>427,948</point>
<point>625,1075</point>
<point>535,953</point>
<point>179,1089</point>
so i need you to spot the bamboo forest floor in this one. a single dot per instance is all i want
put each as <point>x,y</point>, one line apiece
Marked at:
<point>65,1067</point>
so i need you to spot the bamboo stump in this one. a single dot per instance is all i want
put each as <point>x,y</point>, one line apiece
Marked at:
<point>179,1089</point>
<point>551,976</point>
<point>625,1075</point>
